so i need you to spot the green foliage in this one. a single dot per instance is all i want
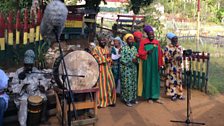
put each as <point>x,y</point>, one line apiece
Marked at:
<point>7,6</point>
<point>41,51</point>
<point>135,5</point>
<point>153,20</point>
<point>14,5</point>
<point>220,14</point>
<point>70,2</point>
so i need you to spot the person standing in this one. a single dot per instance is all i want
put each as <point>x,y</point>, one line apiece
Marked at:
<point>129,71</point>
<point>138,37</point>
<point>151,53</point>
<point>4,98</point>
<point>173,54</point>
<point>107,92</point>
<point>116,55</point>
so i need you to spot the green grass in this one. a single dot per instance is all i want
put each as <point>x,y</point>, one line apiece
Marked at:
<point>216,66</point>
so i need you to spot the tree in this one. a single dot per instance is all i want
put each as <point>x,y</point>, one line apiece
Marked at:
<point>135,5</point>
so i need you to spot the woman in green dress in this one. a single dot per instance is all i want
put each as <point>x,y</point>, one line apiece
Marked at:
<point>129,71</point>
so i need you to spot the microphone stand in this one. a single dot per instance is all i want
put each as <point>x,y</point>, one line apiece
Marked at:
<point>188,121</point>
<point>70,93</point>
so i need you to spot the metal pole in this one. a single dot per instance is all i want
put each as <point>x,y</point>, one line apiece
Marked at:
<point>198,27</point>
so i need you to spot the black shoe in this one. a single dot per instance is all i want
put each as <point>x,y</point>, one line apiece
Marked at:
<point>112,105</point>
<point>174,98</point>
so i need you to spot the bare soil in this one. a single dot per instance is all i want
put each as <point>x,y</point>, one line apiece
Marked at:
<point>207,109</point>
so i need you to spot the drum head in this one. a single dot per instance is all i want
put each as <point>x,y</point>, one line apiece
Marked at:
<point>78,63</point>
<point>35,99</point>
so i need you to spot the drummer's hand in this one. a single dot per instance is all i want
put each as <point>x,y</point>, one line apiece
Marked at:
<point>24,86</point>
<point>41,88</point>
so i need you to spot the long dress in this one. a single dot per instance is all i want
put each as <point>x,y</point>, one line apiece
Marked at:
<point>128,74</point>
<point>173,70</point>
<point>151,65</point>
<point>139,69</point>
<point>107,92</point>
<point>116,64</point>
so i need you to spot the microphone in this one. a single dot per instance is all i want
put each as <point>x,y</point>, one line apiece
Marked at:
<point>53,21</point>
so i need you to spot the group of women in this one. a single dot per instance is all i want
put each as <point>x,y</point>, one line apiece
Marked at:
<point>136,62</point>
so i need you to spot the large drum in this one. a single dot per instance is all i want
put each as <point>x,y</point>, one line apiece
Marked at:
<point>35,104</point>
<point>78,63</point>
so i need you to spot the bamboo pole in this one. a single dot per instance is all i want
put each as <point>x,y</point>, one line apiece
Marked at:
<point>198,27</point>
<point>2,32</point>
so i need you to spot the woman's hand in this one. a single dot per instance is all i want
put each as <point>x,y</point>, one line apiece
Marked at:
<point>134,60</point>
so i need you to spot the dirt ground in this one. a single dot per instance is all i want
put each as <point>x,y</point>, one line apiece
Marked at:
<point>207,109</point>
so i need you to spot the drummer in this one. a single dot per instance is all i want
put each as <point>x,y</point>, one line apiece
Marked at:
<point>107,92</point>
<point>27,82</point>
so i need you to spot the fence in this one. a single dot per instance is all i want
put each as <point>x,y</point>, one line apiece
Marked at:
<point>198,64</point>
<point>217,40</point>
<point>17,35</point>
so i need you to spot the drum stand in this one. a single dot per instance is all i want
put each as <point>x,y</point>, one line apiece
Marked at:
<point>65,78</point>
<point>188,121</point>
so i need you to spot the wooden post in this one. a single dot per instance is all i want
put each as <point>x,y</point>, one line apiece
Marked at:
<point>203,71</point>
<point>184,62</point>
<point>133,22</point>
<point>38,36</point>
<point>194,69</point>
<point>207,69</point>
<point>25,30</point>
<point>18,27</point>
<point>2,32</point>
<point>198,70</point>
<point>10,29</point>
<point>101,28</point>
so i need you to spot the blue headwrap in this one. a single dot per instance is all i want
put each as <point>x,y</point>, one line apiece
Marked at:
<point>170,35</point>
<point>119,39</point>
<point>29,57</point>
<point>148,28</point>
<point>3,80</point>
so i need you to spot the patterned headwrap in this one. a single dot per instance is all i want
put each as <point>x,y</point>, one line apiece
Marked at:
<point>127,36</point>
<point>170,35</point>
<point>138,34</point>
<point>29,57</point>
<point>148,28</point>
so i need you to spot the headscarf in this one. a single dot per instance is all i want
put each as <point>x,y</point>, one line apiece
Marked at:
<point>138,34</point>
<point>119,39</point>
<point>3,85</point>
<point>127,36</point>
<point>29,57</point>
<point>148,28</point>
<point>170,35</point>
<point>3,80</point>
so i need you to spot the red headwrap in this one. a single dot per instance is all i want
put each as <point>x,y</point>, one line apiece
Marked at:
<point>138,34</point>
